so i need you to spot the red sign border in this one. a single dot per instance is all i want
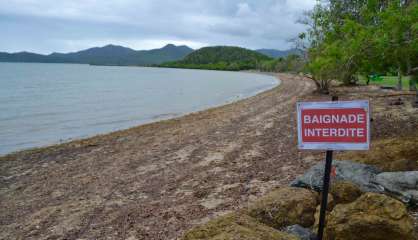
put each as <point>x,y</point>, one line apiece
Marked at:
<point>333,145</point>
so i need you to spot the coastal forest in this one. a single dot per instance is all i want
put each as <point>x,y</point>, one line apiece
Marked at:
<point>220,58</point>
<point>230,58</point>
<point>350,40</point>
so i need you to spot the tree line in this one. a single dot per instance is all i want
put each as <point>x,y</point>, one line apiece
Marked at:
<point>351,38</point>
<point>291,63</point>
<point>220,58</point>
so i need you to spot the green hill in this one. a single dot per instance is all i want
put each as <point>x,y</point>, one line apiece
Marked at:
<point>220,58</point>
<point>107,55</point>
<point>279,53</point>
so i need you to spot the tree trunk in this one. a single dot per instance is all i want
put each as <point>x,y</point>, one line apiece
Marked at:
<point>414,79</point>
<point>399,87</point>
<point>412,84</point>
<point>325,87</point>
<point>416,99</point>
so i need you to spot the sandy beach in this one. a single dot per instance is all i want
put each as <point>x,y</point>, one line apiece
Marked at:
<point>157,180</point>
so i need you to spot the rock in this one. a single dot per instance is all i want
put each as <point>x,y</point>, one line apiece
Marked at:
<point>317,213</point>
<point>330,206</point>
<point>286,206</point>
<point>236,226</point>
<point>344,192</point>
<point>402,185</point>
<point>357,173</point>
<point>393,154</point>
<point>316,216</point>
<point>301,232</point>
<point>330,202</point>
<point>372,216</point>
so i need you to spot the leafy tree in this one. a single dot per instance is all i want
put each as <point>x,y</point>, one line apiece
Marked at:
<point>348,38</point>
<point>397,36</point>
<point>292,63</point>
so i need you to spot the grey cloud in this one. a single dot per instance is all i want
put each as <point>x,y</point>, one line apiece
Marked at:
<point>50,25</point>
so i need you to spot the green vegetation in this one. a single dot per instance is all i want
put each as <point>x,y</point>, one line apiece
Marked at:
<point>220,58</point>
<point>391,81</point>
<point>291,63</point>
<point>351,38</point>
<point>279,53</point>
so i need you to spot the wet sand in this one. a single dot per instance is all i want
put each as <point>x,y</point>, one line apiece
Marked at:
<point>157,180</point>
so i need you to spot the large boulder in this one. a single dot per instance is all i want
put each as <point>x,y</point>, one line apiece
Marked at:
<point>286,206</point>
<point>373,216</point>
<point>357,173</point>
<point>402,185</point>
<point>344,192</point>
<point>390,154</point>
<point>236,226</point>
<point>316,216</point>
<point>301,232</point>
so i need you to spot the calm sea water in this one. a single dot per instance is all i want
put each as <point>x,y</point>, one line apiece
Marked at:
<point>43,104</point>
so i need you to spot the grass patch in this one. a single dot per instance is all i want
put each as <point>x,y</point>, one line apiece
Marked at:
<point>389,81</point>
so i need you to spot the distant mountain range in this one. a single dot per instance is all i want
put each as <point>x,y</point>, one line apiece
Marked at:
<point>279,53</point>
<point>107,55</point>
<point>118,55</point>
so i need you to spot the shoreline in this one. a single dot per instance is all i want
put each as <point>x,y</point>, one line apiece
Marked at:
<point>153,119</point>
<point>162,177</point>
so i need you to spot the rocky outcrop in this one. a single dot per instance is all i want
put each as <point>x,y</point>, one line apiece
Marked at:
<point>389,154</point>
<point>402,185</point>
<point>286,206</point>
<point>316,216</point>
<point>236,226</point>
<point>344,192</point>
<point>360,174</point>
<point>373,216</point>
<point>301,232</point>
<point>290,213</point>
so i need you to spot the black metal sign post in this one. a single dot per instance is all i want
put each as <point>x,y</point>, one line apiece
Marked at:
<point>325,189</point>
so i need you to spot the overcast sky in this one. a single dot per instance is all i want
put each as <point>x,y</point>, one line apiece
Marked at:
<point>47,26</point>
